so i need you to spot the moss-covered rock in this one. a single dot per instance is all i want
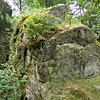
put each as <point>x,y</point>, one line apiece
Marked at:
<point>44,51</point>
<point>59,11</point>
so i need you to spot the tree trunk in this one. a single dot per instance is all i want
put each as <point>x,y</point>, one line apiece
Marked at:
<point>20,5</point>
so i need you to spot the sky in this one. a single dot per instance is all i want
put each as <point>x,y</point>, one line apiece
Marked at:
<point>16,11</point>
<point>14,7</point>
<point>11,3</point>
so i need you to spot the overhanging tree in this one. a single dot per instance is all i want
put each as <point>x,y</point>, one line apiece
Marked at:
<point>91,13</point>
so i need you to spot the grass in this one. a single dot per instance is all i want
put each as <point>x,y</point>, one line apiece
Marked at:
<point>75,89</point>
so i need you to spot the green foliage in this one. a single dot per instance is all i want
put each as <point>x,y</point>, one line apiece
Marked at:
<point>44,3</point>
<point>91,14</point>
<point>40,23</point>
<point>4,39</point>
<point>13,21</point>
<point>5,29</point>
<point>4,48</point>
<point>10,83</point>
<point>34,3</point>
<point>71,20</point>
<point>73,89</point>
<point>33,10</point>
<point>5,11</point>
<point>75,20</point>
<point>13,57</point>
<point>36,27</point>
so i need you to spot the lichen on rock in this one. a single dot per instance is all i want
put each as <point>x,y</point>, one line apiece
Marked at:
<point>45,52</point>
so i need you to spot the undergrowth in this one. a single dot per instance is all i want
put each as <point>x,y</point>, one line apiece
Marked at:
<point>73,89</point>
<point>10,83</point>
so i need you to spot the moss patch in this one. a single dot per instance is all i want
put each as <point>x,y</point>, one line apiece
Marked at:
<point>97,43</point>
<point>32,26</point>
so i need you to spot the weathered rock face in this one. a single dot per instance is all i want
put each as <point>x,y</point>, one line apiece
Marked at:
<point>59,10</point>
<point>73,60</point>
<point>71,53</point>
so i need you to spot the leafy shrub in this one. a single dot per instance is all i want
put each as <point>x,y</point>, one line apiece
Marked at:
<point>40,23</point>
<point>10,83</point>
<point>71,19</point>
<point>33,25</point>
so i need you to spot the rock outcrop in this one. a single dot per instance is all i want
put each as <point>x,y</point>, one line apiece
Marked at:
<point>71,52</point>
<point>59,11</point>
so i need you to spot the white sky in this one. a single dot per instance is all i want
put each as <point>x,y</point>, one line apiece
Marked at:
<point>11,3</point>
<point>16,11</point>
<point>14,8</point>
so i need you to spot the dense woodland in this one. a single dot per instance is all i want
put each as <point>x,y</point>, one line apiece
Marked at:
<point>78,11</point>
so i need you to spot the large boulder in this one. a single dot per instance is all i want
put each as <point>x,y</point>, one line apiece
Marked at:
<point>58,11</point>
<point>72,60</point>
<point>72,52</point>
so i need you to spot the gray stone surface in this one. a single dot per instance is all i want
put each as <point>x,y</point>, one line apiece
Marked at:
<point>59,11</point>
<point>72,53</point>
<point>97,88</point>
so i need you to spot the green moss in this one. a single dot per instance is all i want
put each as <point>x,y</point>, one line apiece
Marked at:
<point>39,23</point>
<point>79,94</point>
<point>97,43</point>
<point>82,52</point>
<point>53,66</point>
<point>35,27</point>
<point>36,43</point>
<point>77,46</point>
<point>47,9</point>
<point>16,36</point>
